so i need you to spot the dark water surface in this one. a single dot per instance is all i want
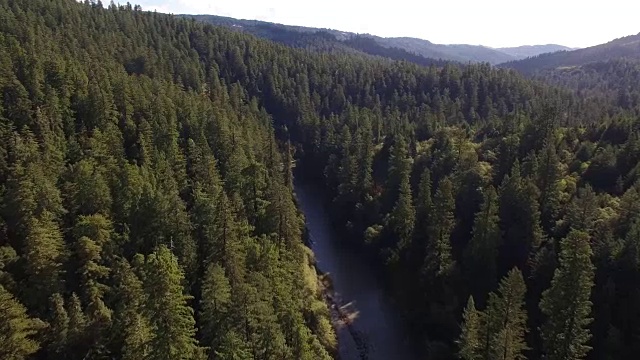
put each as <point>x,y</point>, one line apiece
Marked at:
<point>375,331</point>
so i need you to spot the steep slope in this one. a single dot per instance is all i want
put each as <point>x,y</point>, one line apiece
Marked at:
<point>617,80</point>
<point>131,229</point>
<point>625,47</point>
<point>525,51</point>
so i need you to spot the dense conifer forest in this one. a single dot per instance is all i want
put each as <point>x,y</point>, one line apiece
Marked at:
<point>148,208</point>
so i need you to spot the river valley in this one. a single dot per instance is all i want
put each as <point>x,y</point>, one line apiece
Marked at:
<point>368,327</point>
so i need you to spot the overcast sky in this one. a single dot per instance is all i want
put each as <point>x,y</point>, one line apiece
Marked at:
<point>493,23</point>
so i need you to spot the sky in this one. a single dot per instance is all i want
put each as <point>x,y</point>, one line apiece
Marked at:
<point>494,23</point>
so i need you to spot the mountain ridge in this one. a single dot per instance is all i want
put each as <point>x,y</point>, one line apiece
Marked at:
<point>623,47</point>
<point>525,51</point>
<point>413,46</point>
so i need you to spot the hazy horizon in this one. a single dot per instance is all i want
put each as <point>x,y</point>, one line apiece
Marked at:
<point>493,23</point>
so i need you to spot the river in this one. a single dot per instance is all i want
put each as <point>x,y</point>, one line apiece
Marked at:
<point>375,331</point>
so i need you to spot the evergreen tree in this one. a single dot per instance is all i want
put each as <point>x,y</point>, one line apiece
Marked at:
<point>214,306</point>
<point>91,269</point>
<point>548,182</point>
<point>402,217</point>
<point>8,257</point>
<point>44,254</point>
<point>499,331</point>
<point>399,168</point>
<point>470,342</point>
<point>171,317</point>
<point>232,347</point>
<point>58,327</point>
<point>482,251</point>
<point>439,261</point>
<point>423,206</point>
<point>519,221</point>
<point>582,212</point>
<point>347,171</point>
<point>78,340</point>
<point>364,145</point>
<point>131,330</point>
<point>17,329</point>
<point>508,323</point>
<point>566,304</point>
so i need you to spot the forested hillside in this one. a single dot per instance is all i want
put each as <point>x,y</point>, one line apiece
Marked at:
<point>615,81</point>
<point>396,48</point>
<point>148,208</point>
<point>625,47</point>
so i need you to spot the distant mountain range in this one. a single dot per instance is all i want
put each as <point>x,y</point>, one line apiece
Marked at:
<point>525,51</point>
<point>401,48</point>
<point>627,47</point>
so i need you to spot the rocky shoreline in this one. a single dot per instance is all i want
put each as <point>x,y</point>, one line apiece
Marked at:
<point>342,318</point>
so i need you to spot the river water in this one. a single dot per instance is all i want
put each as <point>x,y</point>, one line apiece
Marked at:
<point>375,331</point>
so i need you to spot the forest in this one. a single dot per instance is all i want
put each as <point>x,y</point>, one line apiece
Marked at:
<point>148,209</point>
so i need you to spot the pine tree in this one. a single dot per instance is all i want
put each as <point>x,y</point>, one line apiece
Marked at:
<point>399,167</point>
<point>93,234</point>
<point>566,304</point>
<point>509,318</point>
<point>423,206</point>
<point>627,280</point>
<point>348,167</point>
<point>519,221</point>
<point>583,211</point>
<point>284,221</point>
<point>88,190</point>
<point>402,217</point>
<point>499,331</point>
<point>232,347</point>
<point>17,330</point>
<point>364,146</point>
<point>214,306</point>
<point>78,340</point>
<point>548,182</point>
<point>439,261</point>
<point>167,306</point>
<point>8,257</point>
<point>44,255</point>
<point>58,327</point>
<point>254,193</point>
<point>131,330</point>
<point>482,251</point>
<point>470,340</point>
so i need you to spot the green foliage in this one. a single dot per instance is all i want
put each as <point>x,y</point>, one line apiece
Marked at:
<point>519,221</point>
<point>423,205</point>
<point>130,137</point>
<point>506,318</point>
<point>402,216</point>
<point>171,318</point>
<point>566,304</point>
<point>132,331</point>
<point>439,261</point>
<point>482,251</point>
<point>499,331</point>
<point>470,341</point>
<point>214,307</point>
<point>58,326</point>
<point>548,179</point>
<point>17,329</point>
